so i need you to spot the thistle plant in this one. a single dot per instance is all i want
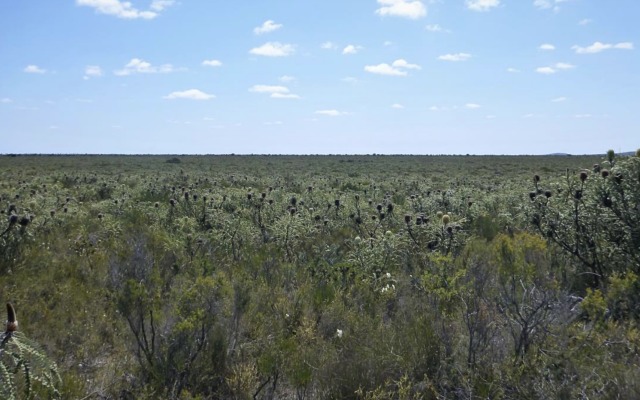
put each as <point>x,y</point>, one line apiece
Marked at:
<point>25,371</point>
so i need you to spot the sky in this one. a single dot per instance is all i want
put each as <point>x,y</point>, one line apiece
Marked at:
<point>319,77</point>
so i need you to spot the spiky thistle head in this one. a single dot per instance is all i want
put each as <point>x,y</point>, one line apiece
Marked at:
<point>445,219</point>
<point>583,176</point>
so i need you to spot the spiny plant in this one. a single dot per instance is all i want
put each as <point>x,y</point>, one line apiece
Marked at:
<point>25,371</point>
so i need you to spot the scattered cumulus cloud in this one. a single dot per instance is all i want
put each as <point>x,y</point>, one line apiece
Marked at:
<point>34,69</point>
<point>397,106</point>
<point>545,70</point>
<point>191,94</point>
<point>472,106</point>
<point>585,21</point>
<point>274,91</point>
<point>455,57</point>
<point>6,100</point>
<point>329,46</point>
<point>554,68</point>
<point>287,78</point>
<point>266,27</point>
<point>402,8</point>
<point>351,49</point>
<point>331,113</point>
<point>559,99</point>
<point>273,49</point>
<point>547,47</point>
<point>92,71</point>
<point>436,28</point>
<point>161,5</point>
<point>482,5</point>
<point>397,68</point>
<point>284,96</point>
<point>562,65</point>
<point>124,9</point>
<point>548,4</point>
<point>513,70</point>
<point>212,63</point>
<point>598,47</point>
<point>138,66</point>
<point>402,63</point>
<point>269,89</point>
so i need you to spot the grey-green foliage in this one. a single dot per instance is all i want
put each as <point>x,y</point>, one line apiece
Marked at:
<point>25,371</point>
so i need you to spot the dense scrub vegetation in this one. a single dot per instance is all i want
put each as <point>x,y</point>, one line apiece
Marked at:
<point>369,277</point>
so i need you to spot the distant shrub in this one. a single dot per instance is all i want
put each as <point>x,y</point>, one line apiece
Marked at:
<point>174,160</point>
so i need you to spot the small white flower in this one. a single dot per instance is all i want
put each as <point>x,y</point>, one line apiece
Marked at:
<point>339,333</point>
<point>388,275</point>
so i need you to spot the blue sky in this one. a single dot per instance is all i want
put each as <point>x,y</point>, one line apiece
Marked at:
<point>318,77</point>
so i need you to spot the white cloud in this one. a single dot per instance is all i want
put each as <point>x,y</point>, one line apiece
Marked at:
<point>583,116</point>
<point>384,69</point>
<point>402,8</point>
<point>287,78</point>
<point>585,21</point>
<point>543,4</point>
<point>564,66</point>
<point>329,46</point>
<point>397,106</point>
<point>161,5</point>
<point>482,5</point>
<point>268,89</point>
<point>436,28</point>
<point>351,49</point>
<point>397,68</point>
<point>284,96</point>
<point>92,71</point>
<point>455,57</point>
<point>34,69</point>
<point>124,9</point>
<point>402,63</point>
<point>387,43</point>
<point>275,91</point>
<point>554,68</point>
<point>331,113</point>
<point>545,70</point>
<point>512,70</point>
<point>350,79</point>
<point>212,63</point>
<point>472,106</point>
<point>6,100</point>
<point>191,94</point>
<point>559,99</point>
<point>547,47</point>
<point>598,47</point>
<point>548,4</point>
<point>273,49</point>
<point>266,27</point>
<point>138,66</point>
